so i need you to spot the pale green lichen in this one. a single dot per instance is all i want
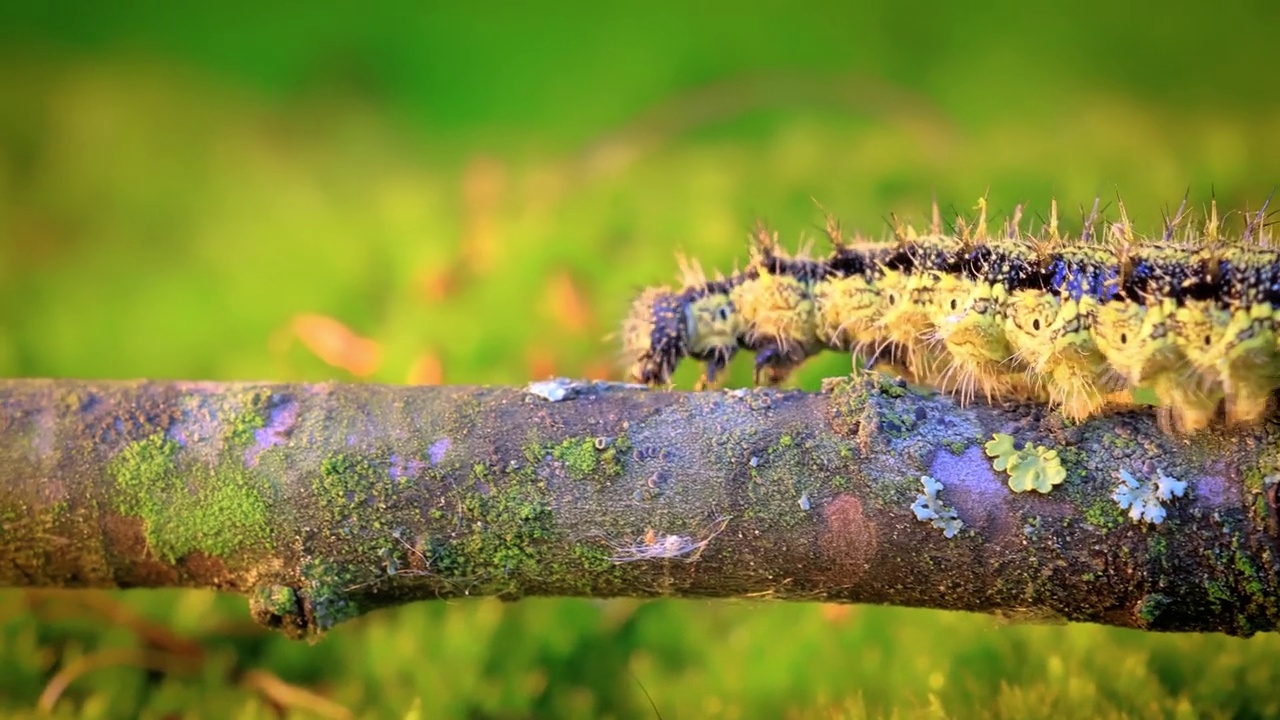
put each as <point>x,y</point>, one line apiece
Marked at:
<point>1032,468</point>
<point>1145,500</point>
<point>928,507</point>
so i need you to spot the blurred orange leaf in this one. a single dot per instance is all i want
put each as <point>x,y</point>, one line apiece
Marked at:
<point>836,613</point>
<point>436,284</point>
<point>426,370</point>
<point>483,185</point>
<point>542,364</point>
<point>337,345</point>
<point>599,370</point>
<point>566,303</point>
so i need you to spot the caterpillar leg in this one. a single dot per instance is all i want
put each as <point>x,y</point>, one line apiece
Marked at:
<point>890,354</point>
<point>1248,405</point>
<point>715,365</point>
<point>1189,410</point>
<point>773,366</point>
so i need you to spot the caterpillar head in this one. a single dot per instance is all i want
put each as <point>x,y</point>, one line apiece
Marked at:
<point>654,336</point>
<point>1028,316</point>
<point>713,327</point>
<point>665,326</point>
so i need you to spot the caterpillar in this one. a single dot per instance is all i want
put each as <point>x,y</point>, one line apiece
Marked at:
<point>1077,322</point>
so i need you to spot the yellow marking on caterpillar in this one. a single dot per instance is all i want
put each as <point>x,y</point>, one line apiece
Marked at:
<point>968,318</point>
<point>1082,380</point>
<point>777,316</point>
<point>713,328</point>
<point>1198,326</point>
<point>845,310</point>
<point>1248,362</point>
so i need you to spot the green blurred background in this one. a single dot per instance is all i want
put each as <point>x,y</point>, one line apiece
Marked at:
<point>471,192</point>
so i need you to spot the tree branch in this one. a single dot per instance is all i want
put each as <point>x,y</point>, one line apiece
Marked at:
<point>322,502</point>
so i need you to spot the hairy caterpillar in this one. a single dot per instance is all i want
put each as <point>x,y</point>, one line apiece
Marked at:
<point>1077,322</point>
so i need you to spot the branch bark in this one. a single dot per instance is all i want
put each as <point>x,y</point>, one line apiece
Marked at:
<point>323,502</point>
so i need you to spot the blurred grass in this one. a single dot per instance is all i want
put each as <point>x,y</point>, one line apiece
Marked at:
<point>479,197</point>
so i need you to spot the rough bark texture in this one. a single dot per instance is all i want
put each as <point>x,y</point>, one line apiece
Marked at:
<point>322,502</point>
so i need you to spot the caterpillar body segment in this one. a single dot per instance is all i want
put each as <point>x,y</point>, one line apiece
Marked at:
<point>1133,327</point>
<point>913,274</point>
<point>1129,335</point>
<point>1199,330</point>
<point>970,310</point>
<point>903,321</point>
<point>967,319</point>
<point>1248,361</point>
<point>846,309</point>
<point>654,336</point>
<point>1027,318</point>
<point>1081,379</point>
<point>1076,323</point>
<point>1056,330</point>
<point>712,328</point>
<point>1247,357</point>
<point>774,298</point>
